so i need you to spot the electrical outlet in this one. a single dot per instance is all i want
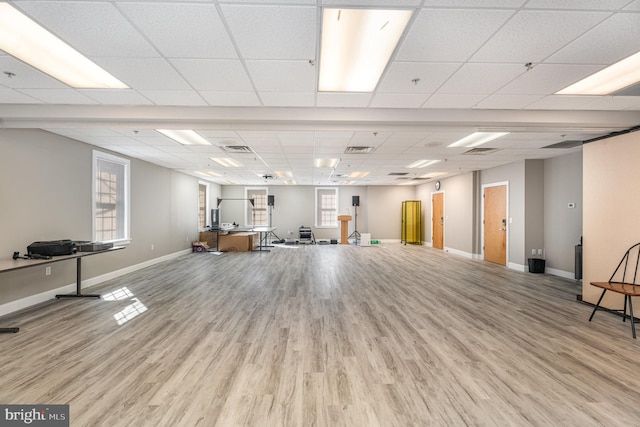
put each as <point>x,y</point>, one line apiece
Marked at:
<point>539,251</point>
<point>152,246</point>
<point>533,251</point>
<point>47,270</point>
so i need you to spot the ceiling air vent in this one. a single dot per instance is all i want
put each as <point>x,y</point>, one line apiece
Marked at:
<point>398,173</point>
<point>565,144</point>
<point>480,151</point>
<point>358,150</point>
<point>237,149</point>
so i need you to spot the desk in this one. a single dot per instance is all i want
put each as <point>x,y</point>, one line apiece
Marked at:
<point>262,231</point>
<point>17,264</point>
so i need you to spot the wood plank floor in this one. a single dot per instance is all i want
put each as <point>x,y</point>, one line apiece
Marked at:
<point>333,335</point>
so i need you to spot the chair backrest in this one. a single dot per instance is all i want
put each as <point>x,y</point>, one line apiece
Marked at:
<point>627,269</point>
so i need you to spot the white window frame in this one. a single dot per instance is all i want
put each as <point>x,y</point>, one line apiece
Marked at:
<point>318,223</point>
<point>100,156</point>
<point>207,205</point>
<point>248,219</point>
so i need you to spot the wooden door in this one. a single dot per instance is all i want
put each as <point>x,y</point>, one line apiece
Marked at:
<point>495,224</point>
<point>437,217</point>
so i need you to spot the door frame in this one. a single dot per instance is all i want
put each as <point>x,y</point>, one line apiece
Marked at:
<point>444,215</point>
<point>495,184</point>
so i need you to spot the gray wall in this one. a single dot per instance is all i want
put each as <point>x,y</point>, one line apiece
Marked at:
<point>533,207</point>
<point>562,226</point>
<point>46,195</point>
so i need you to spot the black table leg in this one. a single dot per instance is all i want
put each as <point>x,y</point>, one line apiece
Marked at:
<point>78,293</point>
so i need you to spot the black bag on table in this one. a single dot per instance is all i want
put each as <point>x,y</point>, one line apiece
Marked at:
<point>52,248</point>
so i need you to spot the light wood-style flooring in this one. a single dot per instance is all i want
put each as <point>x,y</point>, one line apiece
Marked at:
<point>335,335</point>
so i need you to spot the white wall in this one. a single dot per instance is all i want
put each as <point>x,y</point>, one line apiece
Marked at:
<point>46,195</point>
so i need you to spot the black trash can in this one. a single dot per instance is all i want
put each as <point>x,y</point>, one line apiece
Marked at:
<point>536,265</point>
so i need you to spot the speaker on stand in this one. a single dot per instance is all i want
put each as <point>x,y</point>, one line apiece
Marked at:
<point>355,202</point>
<point>271,202</point>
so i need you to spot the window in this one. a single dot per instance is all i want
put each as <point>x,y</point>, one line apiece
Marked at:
<point>203,203</point>
<point>256,215</point>
<point>110,198</point>
<point>326,207</point>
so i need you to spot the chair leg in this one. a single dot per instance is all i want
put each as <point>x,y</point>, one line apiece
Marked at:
<point>633,323</point>
<point>624,311</point>
<point>597,304</point>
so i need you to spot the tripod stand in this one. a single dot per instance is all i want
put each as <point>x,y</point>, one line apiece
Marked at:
<point>270,233</point>
<point>355,233</point>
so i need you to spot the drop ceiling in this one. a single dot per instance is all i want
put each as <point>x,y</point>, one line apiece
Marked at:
<point>244,73</point>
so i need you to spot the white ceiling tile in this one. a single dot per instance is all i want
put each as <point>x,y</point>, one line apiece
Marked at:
<point>182,30</point>
<point>561,102</point>
<point>59,96</point>
<point>208,74</point>
<point>611,41</point>
<point>231,99</point>
<point>283,76</point>
<point>144,73</point>
<point>10,96</point>
<point>174,97</point>
<point>508,102</point>
<point>531,36</point>
<point>273,32</point>
<point>116,96</point>
<point>546,79</point>
<point>398,100</point>
<point>25,75</point>
<point>614,103</point>
<point>93,28</point>
<point>445,100</point>
<point>633,6</point>
<point>313,2</point>
<point>576,4</point>
<point>449,35</point>
<point>381,3</point>
<point>475,3</point>
<point>343,99</point>
<point>401,75</point>
<point>481,78</point>
<point>286,99</point>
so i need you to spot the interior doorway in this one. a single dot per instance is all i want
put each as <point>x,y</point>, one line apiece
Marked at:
<point>495,227</point>
<point>437,220</point>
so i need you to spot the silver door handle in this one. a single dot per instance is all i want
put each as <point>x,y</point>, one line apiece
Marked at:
<point>503,229</point>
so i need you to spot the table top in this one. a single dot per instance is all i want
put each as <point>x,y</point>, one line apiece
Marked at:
<point>263,229</point>
<point>16,264</point>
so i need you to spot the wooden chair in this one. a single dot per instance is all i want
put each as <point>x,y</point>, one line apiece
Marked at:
<point>625,284</point>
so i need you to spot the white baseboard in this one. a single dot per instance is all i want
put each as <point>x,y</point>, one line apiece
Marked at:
<point>518,267</point>
<point>560,273</point>
<point>458,252</point>
<point>32,300</point>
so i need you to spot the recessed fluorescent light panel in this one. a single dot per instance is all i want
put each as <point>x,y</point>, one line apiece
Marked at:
<point>289,182</point>
<point>432,175</point>
<point>356,47</point>
<point>208,174</point>
<point>478,138</point>
<point>29,42</point>
<point>227,162</point>
<point>326,163</point>
<point>421,164</point>
<point>284,174</point>
<point>358,174</point>
<point>184,137</point>
<point>613,78</point>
